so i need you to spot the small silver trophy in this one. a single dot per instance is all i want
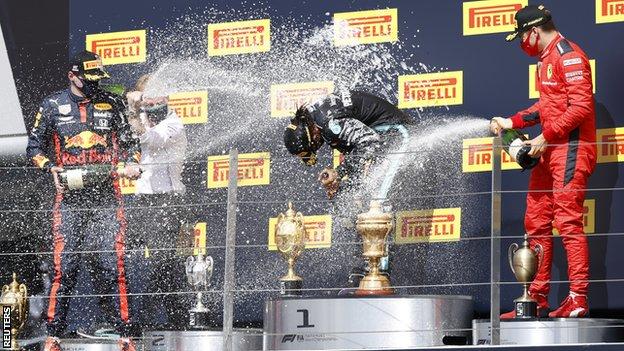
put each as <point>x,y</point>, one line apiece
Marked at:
<point>198,273</point>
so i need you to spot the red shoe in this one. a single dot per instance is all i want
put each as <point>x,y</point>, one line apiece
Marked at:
<point>126,344</point>
<point>573,306</point>
<point>52,344</point>
<point>542,306</point>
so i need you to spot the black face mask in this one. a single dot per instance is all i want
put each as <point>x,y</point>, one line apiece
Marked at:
<point>90,87</point>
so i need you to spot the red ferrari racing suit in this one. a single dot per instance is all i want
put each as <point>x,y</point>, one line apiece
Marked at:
<point>566,113</point>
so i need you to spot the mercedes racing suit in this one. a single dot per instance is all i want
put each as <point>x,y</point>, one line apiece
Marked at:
<point>351,121</point>
<point>88,225</point>
<point>566,113</point>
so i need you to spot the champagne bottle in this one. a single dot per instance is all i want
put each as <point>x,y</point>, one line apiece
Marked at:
<point>89,176</point>
<point>513,144</point>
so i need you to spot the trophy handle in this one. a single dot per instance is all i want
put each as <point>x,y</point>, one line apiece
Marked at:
<point>209,268</point>
<point>510,252</point>
<point>540,249</point>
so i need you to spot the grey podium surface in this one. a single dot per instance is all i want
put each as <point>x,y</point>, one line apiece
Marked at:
<point>389,322</point>
<point>551,331</point>
<point>204,340</point>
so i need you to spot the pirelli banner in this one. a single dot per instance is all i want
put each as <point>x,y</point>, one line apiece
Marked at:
<point>366,27</point>
<point>436,225</point>
<point>119,47</point>
<point>431,89</point>
<point>242,37</point>
<point>318,232</point>
<point>191,107</point>
<point>286,98</point>
<point>253,169</point>
<point>490,16</point>
<point>610,145</point>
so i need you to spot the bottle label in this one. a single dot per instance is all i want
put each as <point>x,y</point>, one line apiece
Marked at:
<point>514,148</point>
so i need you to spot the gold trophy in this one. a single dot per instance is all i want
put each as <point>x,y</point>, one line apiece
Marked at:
<point>14,302</point>
<point>290,238</point>
<point>524,263</point>
<point>374,227</point>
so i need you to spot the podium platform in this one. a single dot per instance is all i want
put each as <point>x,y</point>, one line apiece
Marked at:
<point>205,340</point>
<point>551,331</point>
<point>350,322</point>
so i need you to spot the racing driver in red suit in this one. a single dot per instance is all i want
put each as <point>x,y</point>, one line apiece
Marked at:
<point>80,127</point>
<point>567,150</point>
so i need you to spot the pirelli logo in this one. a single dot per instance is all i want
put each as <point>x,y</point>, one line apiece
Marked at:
<point>253,169</point>
<point>589,217</point>
<point>318,232</point>
<point>286,98</point>
<point>608,11</point>
<point>431,89</point>
<point>365,27</point>
<point>191,107</point>
<point>477,156</point>
<point>119,47</point>
<point>126,186</point>
<point>199,239</point>
<point>242,37</point>
<point>490,16</point>
<point>534,78</point>
<point>610,145</point>
<point>441,224</point>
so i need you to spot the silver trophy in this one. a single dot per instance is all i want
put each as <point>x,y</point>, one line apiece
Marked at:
<point>198,273</point>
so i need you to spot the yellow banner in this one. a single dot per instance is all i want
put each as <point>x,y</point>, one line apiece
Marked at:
<point>191,107</point>
<point>477,156</point>
<point>241,37</point>
<point>365,27</point>
<point>199,239</point>
<point>253,169</point>
<point>440,224</point>
<point>534,89</point>
<point>431,89</point>
<point>610,145</point>
<point>286,98</point>
<point>608,11</point>
<point>491,16</point>
<point>318,232</point>
<point>119,47</point>
<point>126,186</point>
<point>589,217</point>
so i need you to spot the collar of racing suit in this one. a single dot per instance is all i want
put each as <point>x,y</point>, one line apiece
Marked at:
<point>551,45</point>
<point>75,98</point>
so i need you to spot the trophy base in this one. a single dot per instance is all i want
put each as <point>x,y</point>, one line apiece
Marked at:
<point>291,287</point>
<point>526,309</point>
<point>374,285</point>
<point>198,319</point>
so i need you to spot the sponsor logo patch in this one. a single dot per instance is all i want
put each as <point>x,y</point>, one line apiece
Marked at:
<point>534,81</point>
<point>437,225</point>
<point>490,16</point>
<point>103,106</point>
<point>286,98</point>
<point>241,37</point>
<point>318,232</point>
<point>119,47</point>
<point>574,61</point>
<point>608,11</point>
<point>253,169</point>
<point>365,27</point>
<point>431,89</point>
<point>191,107</point>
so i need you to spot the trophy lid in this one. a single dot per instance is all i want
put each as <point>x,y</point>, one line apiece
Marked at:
<point>375,213</point>
<point>290,213</point>
<point>14,286</point>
